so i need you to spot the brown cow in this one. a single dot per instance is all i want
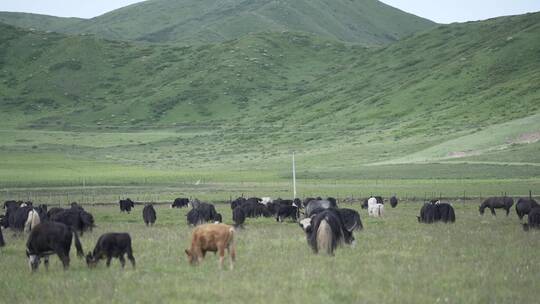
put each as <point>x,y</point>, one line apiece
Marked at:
<point>212,237</point>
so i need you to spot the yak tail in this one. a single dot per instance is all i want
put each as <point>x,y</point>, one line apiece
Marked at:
<point>78,246</point>
<point>31,221</point>
<point>324,238</point>
<point>232,243</point>
<point>451,215</point>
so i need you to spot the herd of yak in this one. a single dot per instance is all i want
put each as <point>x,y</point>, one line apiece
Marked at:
<point>325,224</point>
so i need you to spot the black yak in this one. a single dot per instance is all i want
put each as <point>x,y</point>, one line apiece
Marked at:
<point>533,220</point>
<point>202,214</point>
<point>393,201</point>
<point>436,211</point>
<point>111,245</point>
<point>524,206</point>
<point>180,202</point>
<point>497,203</point>
<point>49,238</point>
<point>239,217</point>
<point>126,205</point>
<point>287,211</point>
<point>351,219</point>
<point>79,220</point>
<point>149,214</point>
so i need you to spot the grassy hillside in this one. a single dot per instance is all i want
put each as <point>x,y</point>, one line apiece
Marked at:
<point>368,22</point>
<point>39,22</point>
<point>456,102</point>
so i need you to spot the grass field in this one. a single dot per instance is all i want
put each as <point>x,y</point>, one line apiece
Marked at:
<point>396,260</point>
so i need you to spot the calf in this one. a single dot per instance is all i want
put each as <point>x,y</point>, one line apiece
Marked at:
<point>126,205</point>
<point>49,238</point>
<point>111,245</point>
<point>149,214</point>
<point>214,238</point>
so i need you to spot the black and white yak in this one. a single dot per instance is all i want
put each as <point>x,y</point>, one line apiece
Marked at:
<point>325,231</point>
<point>319,204</point>
<point>21,218</point>
<point>51,238</point>
<point>111,245</point>
<point>180,202</point>
<point>497,202</point>
<point>524,205</point>
<point>149,214</point>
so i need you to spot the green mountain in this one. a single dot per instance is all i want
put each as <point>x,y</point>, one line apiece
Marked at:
<point>435,96</point>
<point>368,22</point>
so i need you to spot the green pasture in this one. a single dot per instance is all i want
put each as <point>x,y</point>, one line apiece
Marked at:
<point>396,260</point>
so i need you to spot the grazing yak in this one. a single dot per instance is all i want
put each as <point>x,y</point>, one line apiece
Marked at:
<point>239,217</point>
<point>497,203</point>
<point>180,202</point>
<point>149,214</point>
<point>437,212</point>
<point>51,238</point>
<point>351,219</point>
<point>319,204</point>
<point>375,209</point>
<point>76,218</point>
<point>286,211</point>
<point>111,245</point>
<point>126,205</point>
<point>214,238</point>
<point>21,218</point>
<point>325,230</point>
<point>393,201</point>
<point>204,213</point>
<point>533,220</point>
<point>524,206</point>
<point>365,204</point>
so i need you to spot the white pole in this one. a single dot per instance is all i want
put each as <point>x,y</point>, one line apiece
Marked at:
<point>294,176</point>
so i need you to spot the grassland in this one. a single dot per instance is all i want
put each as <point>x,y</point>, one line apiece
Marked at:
<point>396,260</point>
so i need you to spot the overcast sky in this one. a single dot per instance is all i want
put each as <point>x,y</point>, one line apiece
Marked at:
<point>442,11</point>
